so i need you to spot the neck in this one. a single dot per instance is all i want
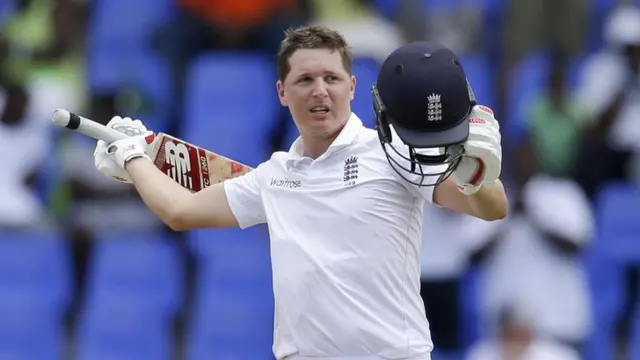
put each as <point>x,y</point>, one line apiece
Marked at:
<point>315,145</point>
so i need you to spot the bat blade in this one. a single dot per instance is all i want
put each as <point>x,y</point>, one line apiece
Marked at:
<point>191,166</point>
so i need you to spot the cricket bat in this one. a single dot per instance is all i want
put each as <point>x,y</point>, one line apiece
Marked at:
<point>189,165</point>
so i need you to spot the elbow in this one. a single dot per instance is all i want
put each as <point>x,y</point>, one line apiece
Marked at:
<point>177,218</point>
<point>176,224</point>
<point>494,211</point>
<point>495,215</point>
<point>495,207</point>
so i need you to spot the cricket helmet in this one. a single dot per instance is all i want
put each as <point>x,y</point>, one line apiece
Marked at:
<point>422,95</point>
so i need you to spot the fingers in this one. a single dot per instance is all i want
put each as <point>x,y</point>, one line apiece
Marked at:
<point>139,124</point>
<point>484,112</point>
<point>492,162</point>
<point>116,120</point>
<point>127,126</point>
<point>484,133</point>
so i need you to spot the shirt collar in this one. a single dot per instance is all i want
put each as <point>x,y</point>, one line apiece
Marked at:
<point>346,137</point>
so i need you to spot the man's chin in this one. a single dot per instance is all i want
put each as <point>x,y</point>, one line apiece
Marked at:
<point>323,125</point>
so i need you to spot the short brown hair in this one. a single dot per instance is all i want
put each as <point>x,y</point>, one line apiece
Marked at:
<point>312,37</point>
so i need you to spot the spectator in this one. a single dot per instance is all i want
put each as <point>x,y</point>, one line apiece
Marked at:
<point>447,247</point>
<point>531,26</point>
<point>610,90</point>
<point>39,73</point>
<point>537,258</point>
<point>552,137</point>
<point>20,136</point>
<point>516,339</point>
<point>459,27</point>
<point>366,30</point>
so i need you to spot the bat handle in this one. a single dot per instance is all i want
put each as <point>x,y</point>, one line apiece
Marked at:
<point>86,126</point>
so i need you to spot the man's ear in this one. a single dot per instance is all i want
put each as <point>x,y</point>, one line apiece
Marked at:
<point>353,87</point>
<point>280,88</point>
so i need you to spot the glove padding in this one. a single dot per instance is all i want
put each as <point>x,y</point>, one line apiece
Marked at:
<point>110,159</point>
<point>482,160</point>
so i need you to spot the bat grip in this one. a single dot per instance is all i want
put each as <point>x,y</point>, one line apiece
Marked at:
<point>86,126</point>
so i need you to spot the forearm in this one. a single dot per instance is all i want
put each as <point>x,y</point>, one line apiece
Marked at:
<point>490,202</point>
<point>162,195</point>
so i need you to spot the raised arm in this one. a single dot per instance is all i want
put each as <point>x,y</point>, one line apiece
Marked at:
<point>474,187</point>
<point>488,203</point>
<point>235,202</point>
<point>176,206</point>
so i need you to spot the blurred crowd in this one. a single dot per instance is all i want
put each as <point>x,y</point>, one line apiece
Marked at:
<point>561,75</point>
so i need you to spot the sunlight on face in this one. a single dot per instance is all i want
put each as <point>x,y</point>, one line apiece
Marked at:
<point>318,91</point>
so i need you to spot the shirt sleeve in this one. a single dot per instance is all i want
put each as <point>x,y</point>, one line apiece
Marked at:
<point>244,195</point>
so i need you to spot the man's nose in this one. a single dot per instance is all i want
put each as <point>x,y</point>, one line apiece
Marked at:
<point>320,88</point>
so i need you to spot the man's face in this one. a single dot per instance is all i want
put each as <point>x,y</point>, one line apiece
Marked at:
<point>318,91</point>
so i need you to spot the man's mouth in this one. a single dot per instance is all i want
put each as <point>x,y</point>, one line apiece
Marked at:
<point>319,110</point>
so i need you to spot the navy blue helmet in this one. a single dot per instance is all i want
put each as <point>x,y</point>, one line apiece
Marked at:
<point>423,93</point>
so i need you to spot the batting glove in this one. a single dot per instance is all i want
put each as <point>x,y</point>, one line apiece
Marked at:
<point>482,160</point>
<point>110,159</point>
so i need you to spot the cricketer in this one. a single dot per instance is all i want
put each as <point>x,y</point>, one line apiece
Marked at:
<point>344,204</point>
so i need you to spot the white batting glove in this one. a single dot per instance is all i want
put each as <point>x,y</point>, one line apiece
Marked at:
<point>482,160</point>
<point>110,159</point>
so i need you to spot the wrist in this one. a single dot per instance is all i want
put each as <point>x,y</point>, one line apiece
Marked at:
<point>469,189</point>
<point>127,150</point>
<point>135,158</point>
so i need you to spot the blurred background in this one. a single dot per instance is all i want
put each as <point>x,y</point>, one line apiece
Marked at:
<point>88,273</point>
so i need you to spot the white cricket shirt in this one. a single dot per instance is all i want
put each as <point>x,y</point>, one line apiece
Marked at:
<point>345,235</point>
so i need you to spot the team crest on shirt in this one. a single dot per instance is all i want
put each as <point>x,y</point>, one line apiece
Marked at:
<point>350,171</point>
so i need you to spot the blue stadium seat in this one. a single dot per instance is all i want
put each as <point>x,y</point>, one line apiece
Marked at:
<point>471,321</point>
<point>366,72</point>
<point>231,324</point>
<point>234,297</point>
<point>291,134</point>
<point>26,335</point>
<point>446,355</point>
<point>232,257</point>
<point>617,209</point>
<point>7,9</point>
<point>35,271</point>
<point>232,105</point>
<point>600,10</point>
<point>486,6</point>
<point>211,242</point>
<point>119,54</point>
<point>478,71</point>
<point>130,270</point>
<point>123,335</point>
<point>387,8</point>
<point>443,4</point>
<point>607,289</point>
